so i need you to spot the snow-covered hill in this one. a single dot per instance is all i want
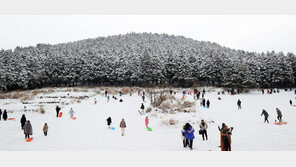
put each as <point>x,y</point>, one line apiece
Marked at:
<point>90,132</point>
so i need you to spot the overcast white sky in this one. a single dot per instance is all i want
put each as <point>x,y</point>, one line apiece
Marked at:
<point>251,33</point>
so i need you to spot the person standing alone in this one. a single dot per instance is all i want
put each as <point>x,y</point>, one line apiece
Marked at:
<point>239,104</point>
<point>122,126</point>
<point>58,110</point>
<point>203,128</point>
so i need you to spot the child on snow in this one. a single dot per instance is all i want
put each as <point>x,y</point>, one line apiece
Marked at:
<point>45,129</point>
<point>142,108</point>
<point>109,121</point>
<point>146,122</point>
<point>71,112</point>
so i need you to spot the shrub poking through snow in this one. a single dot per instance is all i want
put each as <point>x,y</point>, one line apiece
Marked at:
<point>148,110</point>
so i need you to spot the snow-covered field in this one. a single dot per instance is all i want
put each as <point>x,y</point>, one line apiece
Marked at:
<point>90,132</point>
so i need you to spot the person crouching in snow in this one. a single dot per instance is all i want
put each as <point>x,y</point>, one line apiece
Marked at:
<point>122,126</point>
<point>71,112</point>
<point>109,121</point>
<point>45,129</point>
<point>189,135</point>
<point>28,129</point>
<point>146,122</point>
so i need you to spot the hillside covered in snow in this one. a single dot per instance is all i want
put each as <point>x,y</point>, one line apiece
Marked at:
<point>143,59</point>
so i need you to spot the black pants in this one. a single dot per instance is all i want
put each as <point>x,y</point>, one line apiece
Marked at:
<point>184,143</point>
<point>204,133</point>
<point>266,119</point>
<point>22,125</point>
<point>27,136</point>
<point>279,118</point>
<point>227,146</point>
<point>189,143</point>
<point>58,113</point>
<point>45,133</point>
<point>239,107</point>
<point>0,117</point>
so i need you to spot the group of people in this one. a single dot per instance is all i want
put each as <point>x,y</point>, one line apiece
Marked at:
<point>26,126</point>
<point>266,115</point>
<point>188,135</point>
<point>122,125</point>
<point>4,115</point>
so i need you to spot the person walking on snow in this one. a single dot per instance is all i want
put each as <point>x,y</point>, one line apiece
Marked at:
<point>71,112</point>
<point>28,129</point>
<point>109,121</point>
<point>290,102</point>
<point>279,115</point>
<point>143,97</point>
<point>122,126</point>
<point>203,128</point>
<point>108,98</point>
<point>45,129</point>
<point>146,122</point>
<point>58,110</point>
<point>208,103</point>
<point>5,115</point>
<point>23,121</point>
<point>203,102</point>
<point>239,104</point>
<point>142,108</point>
<point>106,93</point>
<point>0,114</point>
<point>189,135</point>
<point>266,115</point>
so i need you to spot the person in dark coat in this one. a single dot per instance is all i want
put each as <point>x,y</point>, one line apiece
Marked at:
<point>208,103</point>
<point>23,121</point>
<point>58,110</point>
<point>106,93</point>
<point>291,102</point>
<point>142,108</point>
<point>0,114</point>
<point>189,135</point>
<point>5,115</point>
<point>198,95</point>
<point>262,91</point>
<point>109,121</point>
<point>264,112</point>
<point>143,97</point>
<point>28,129</point>
<point>279,115</point>
<point>239,104</point>
<point>203,102</point>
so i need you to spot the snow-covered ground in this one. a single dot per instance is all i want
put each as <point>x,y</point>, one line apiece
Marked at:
<point>90,132</point>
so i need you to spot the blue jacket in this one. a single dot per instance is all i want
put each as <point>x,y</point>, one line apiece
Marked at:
<point>190,133</point>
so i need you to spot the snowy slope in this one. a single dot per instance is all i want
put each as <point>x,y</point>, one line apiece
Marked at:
<point>90,132</point>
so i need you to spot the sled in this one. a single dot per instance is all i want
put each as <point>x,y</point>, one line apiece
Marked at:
<point>11,118</point>
<point>112,128</point>
<point>277,123</point>
<point>29,140</point>
<point>74,118</point>
<point>207,107</point>
<point>149,129</point>
<point>283,122</point>
<point>107,100</point>
<point>294,105</point>
<point>139,111</point>
<point>60,114</point>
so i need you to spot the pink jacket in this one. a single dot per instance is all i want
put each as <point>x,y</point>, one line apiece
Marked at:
<point>146,122</point>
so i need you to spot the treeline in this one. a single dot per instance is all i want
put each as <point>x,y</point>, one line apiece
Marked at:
<point>143,59</point>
